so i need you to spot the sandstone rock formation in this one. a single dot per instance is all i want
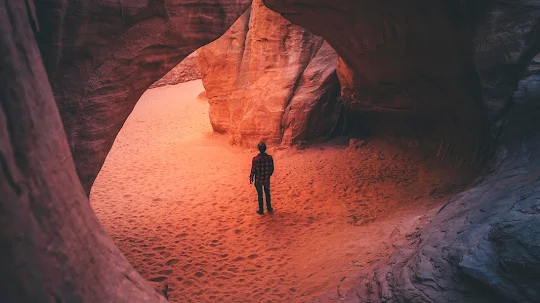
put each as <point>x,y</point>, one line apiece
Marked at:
<point>101,56</point>
<point>185,71</point>
<point>388,68</point>
<point>314,107</point>
<point>269,79</point>
<point>480,246</point>
<point>218,79</point>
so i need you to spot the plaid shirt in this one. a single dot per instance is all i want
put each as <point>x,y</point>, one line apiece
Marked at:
<point>262,168</point>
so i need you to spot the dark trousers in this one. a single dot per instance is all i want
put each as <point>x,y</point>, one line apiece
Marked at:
<point>259,188</point>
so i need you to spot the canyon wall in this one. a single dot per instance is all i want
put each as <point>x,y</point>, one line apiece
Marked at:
<point>71,73</point>
<point>267,79</point>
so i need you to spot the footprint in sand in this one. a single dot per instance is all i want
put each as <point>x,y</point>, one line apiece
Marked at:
<point>172,262</point>
<point>199,274</point>
<point>158,279</point>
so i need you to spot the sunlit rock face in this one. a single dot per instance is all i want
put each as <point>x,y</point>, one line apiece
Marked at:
<point>187,70</point>
<point>313,109</point>
<point>452,67</point>
<point>269,79</point>
<point>101,56</point>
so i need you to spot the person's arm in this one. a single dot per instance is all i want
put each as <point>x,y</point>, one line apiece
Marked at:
<point>271,165</point>
<point>252,174</point>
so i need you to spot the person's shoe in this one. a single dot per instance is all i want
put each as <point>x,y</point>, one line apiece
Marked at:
<point>270,210</point>
<point>260,212</point>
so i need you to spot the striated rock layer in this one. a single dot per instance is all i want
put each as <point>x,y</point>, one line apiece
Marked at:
<point>269,79</point>
<point>187,70</point>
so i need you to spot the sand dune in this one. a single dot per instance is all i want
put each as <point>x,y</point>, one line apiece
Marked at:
<point>176,199</point>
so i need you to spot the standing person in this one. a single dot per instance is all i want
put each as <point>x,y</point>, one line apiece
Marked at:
<point>262,167</point>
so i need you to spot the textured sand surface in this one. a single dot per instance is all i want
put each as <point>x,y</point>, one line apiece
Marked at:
<point>176,199</point>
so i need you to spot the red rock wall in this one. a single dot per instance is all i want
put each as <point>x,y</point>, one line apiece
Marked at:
<point>313,109</point>
<point>447,71</point>
<point>393,64</point>
<point>52,246</point>
<point>268,79</point>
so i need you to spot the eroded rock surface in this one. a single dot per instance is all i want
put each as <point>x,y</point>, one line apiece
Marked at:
<point>269,79</point>
<point>101,56</point>
<point>481,245</point>
<point>52,246</point>
<point>187,70</point>
<point>391,50</point>
<point>406,78</point>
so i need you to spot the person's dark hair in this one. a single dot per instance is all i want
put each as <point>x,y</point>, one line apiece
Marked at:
<point>262,147</point>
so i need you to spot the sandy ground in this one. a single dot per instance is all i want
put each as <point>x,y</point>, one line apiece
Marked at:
<point>176,199</point>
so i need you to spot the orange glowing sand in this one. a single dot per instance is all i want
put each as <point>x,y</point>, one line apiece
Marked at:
<point>176,199</point>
